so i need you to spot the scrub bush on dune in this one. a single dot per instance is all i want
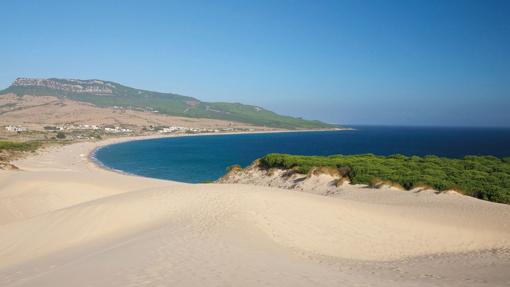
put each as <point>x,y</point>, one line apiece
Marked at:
<point>483,177</point>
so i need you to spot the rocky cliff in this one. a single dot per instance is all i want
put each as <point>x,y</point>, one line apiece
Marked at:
<point>95,87</point>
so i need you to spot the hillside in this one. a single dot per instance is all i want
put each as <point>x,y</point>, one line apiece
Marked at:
<point>36,112</point>
<point>110,94</point>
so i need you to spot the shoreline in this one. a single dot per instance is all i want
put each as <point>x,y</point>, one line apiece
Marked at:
<point>118,140</point>
<point>62,218</point>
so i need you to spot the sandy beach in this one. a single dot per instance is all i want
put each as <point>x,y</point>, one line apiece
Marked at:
<point>64,221</point>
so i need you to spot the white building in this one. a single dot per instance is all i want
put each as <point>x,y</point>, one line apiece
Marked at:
<point>86,127</point>
<point>173,129</point>
<point>116,130</point>
<point>169,130</point>
<point>15,129</point>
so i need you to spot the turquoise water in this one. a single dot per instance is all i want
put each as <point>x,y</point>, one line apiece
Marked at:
<point>204,158</point>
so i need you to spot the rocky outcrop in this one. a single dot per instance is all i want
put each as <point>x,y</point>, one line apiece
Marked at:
<point>95,87</point>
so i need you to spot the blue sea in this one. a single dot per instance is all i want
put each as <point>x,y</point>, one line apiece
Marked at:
<point>198,159</point>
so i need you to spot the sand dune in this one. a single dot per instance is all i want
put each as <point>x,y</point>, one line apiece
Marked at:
<point>64,222</point>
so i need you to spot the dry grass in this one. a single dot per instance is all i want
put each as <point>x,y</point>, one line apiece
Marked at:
<point>379,183</point>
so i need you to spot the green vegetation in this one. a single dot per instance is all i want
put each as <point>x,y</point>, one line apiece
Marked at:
<point>169,104</point>
<point>484,177</point>
<point>61,135</point>
<point>19,146</point>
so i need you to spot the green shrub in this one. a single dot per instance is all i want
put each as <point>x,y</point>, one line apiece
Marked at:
<point>19,146</point>
<point>61,135</point>
<point>484,177</point>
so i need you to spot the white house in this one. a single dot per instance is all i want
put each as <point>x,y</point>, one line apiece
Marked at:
<point>15,129</point>
<point>116,130</point>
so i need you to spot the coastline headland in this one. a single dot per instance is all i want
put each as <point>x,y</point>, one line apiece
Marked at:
<point>62,218</point>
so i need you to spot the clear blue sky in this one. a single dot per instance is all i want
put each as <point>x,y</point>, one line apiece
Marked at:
<point>350,62</point>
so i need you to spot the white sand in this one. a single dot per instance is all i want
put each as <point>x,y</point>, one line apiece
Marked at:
<point>66,222</point>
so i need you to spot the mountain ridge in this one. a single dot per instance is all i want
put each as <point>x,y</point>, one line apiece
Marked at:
<point>107,93</point>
